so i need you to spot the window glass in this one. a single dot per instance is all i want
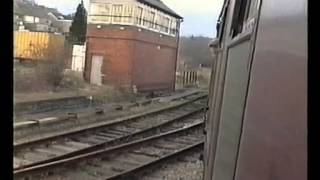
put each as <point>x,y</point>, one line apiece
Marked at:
<point>117,12</point>
<point>100,12</point>
<point>240,15</point>
<point>146,18</point>
<point>36,20</point>
<point>160,23</point>
<point>173,27</point>
<point>166,25</point>
<point>29,19</point>
<point>138,15</point>
<point>128,14</point>
<point>152,18</point>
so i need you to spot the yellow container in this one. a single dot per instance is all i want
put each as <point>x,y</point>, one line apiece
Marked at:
<point>37,45</point>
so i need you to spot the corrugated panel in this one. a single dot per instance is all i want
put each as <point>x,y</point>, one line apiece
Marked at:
<point>36,45</point>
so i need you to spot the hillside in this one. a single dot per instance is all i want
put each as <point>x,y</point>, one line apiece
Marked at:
<point>194,51</point>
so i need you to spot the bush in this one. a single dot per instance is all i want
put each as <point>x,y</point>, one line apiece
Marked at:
<point>51,69</point>
<point>26,80</point>
<point>72,80</point>
<point>44,74</point>
<point>50,72</point>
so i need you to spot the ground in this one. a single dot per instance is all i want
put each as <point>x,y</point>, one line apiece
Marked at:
<point>42,95</point>
<point>187,167</point>
<point>32,84</point>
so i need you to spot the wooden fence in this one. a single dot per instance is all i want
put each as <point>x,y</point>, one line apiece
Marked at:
<point>187,78</point>
<point>199,77</point>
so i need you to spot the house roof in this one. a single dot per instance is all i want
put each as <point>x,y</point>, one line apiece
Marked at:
<point>55,12</point>
<point>158,4</point>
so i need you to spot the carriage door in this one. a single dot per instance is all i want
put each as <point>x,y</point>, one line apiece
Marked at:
<point>238,61</point>
<point>96,75</point>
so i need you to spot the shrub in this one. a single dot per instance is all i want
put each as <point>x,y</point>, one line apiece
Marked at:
<point>45,73</point>
<point>51,69</point>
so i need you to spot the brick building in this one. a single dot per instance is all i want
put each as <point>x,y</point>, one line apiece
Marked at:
<point>132,44</point>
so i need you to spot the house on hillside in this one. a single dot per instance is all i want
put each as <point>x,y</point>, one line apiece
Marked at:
<point>60,21</point>
<point>132,44</point>
<point>32,17</point>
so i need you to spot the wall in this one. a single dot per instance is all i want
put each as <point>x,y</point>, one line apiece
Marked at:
<point>78,57</point>
<point>114,45</point>
<point>154,60</point>
<point>132,57</point>
<point>274,140</point>
<point>64,25</point>
<point>41,106</point>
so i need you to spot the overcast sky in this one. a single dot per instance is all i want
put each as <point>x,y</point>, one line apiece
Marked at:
<point>200,16</point>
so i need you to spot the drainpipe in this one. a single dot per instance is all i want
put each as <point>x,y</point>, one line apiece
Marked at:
<point>86,70</point>
<point>177,53</point>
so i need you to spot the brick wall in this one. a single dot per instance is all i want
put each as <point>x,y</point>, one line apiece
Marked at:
<point>132,57</point>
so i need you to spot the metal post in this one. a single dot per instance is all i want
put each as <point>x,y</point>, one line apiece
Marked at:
<point>90,104</point>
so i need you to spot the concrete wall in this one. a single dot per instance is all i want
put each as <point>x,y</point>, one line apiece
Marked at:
<point>49,105</point>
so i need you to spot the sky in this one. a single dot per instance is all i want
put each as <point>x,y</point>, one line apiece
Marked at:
<point>200,16</point>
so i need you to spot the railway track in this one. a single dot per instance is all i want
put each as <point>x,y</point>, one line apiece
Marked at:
<point>36,130</point>
<point>120,161</point>
<point>188,166</point>
<point>55,148</point>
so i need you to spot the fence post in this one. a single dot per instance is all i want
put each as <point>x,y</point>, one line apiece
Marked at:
<point>193,78</point>
<point>184,78</point>
<point>188,76</point>
<point>196,77</point>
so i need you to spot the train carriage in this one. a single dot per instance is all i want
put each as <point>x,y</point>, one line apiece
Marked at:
<point>257,119</point>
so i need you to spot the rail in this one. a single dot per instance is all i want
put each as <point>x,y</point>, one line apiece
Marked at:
<point>167,144</point>
<point>109,134</point>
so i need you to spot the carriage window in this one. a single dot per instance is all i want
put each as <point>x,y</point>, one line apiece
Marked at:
<point>221,21</point>
<point>247,12</point>
<point>240,14</point>
<point>254,6</point>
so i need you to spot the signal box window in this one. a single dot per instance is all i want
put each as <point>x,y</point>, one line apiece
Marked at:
<point>117,12</point>
<point>240,15</point>
<point>139,15</point>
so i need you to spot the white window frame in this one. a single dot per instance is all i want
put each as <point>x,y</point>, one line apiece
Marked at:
<point>117,10</point>
<point>139,15</point>
<point>100,13</point>
<point>137,11</point>
<point>36,19</point>
<point>28,19</point>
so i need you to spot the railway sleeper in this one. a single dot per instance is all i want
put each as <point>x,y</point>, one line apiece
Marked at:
<point>153,155</point>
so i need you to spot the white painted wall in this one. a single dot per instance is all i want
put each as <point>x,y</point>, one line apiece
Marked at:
<point>78,58</point>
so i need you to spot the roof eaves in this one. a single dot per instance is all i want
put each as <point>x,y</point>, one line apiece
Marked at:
<point>166,10</point>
